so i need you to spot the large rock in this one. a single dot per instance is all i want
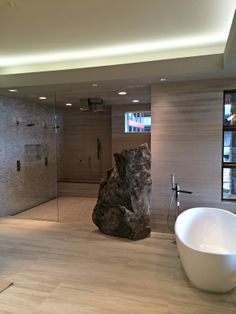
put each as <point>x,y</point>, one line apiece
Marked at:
<point>123,203</point>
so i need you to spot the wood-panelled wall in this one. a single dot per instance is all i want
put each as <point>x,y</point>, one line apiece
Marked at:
<point>120,139</point>
<point>78,160</point>
<point>187,139</point>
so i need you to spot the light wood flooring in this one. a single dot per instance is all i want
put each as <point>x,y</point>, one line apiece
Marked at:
<point>66,268</point>
<point>73,210</point>
<point>78,210</point>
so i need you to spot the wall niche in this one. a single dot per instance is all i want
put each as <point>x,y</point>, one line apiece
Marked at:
<point>33,152</point>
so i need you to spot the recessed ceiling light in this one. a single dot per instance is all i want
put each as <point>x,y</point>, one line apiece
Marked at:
<point>68,104</point>
<point>163,79</point>
<point>122,93</point>
<point>94,84</point>
<point>135,100</point>
<point>13,90</point>
<point>42,97</point>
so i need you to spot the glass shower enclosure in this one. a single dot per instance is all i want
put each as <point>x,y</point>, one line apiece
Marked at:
<point>28,159</point>
<point>51,154</point>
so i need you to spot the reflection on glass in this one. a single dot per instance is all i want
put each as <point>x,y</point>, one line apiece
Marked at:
<point>138,122</point>
<point>230,109</point>
<point>229,183</point>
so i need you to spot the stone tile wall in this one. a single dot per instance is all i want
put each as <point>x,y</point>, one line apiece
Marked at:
<point>34,183</point>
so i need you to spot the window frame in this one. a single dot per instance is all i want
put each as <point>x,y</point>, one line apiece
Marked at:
<point>137,132</point>
<point>225,165</point>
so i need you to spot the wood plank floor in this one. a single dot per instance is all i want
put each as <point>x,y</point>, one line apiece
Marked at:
<point>63,269</point>
<point>73,210</point>
<point>78,211</point>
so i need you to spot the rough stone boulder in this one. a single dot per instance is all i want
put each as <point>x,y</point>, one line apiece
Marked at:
<point>123,203</point>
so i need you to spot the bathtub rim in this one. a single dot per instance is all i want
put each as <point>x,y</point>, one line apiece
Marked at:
<point>198,250</point>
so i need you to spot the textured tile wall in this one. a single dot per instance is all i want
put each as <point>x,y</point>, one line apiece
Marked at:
<point>34,183</point>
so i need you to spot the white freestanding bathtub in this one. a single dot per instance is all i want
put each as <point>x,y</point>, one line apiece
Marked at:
<point>206,242</point>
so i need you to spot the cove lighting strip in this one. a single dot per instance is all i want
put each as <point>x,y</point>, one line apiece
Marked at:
<point>119,50</point>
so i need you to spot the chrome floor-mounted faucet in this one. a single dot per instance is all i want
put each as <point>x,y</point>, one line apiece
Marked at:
<point>177,190</point>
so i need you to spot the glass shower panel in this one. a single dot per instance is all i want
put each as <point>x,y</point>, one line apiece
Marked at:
<point>84,154</point>
<point>28,157</point>
<point>3,149</point>
<point>84,141</point>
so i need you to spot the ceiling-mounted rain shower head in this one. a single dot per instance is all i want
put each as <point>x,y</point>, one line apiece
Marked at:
<point>92,104</point>
<point>85,105</point>
<point>99,108</point>
<point>97,104</point>
<point>85,108</point>
<point>96,101</point>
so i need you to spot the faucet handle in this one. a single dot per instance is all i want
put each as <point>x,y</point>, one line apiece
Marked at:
<point>186,192</point>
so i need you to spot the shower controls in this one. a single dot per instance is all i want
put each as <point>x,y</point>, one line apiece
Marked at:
<point>46,161</point>
<point>18,165</point>
<point>98,150</point>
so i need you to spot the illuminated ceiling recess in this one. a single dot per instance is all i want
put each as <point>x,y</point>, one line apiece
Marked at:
<point>124,31</point>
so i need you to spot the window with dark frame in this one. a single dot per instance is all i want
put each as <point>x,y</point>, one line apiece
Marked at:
<point>229,147</point>
<point>138,122</point>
